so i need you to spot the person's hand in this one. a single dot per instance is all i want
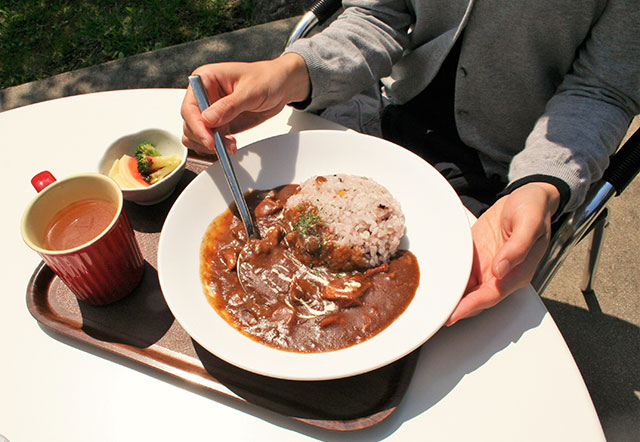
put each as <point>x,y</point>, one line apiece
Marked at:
<point>509,241</point>
<point>242,95</point>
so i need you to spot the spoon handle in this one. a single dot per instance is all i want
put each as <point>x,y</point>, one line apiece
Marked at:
<point>203,102</point>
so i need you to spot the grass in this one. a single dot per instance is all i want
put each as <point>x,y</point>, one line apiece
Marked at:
<point>41,38</point>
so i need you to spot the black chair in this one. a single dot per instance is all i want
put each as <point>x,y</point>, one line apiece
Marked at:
<point>589,218</point>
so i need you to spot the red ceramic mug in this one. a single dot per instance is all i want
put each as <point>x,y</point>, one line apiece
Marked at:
<point>106,264</point>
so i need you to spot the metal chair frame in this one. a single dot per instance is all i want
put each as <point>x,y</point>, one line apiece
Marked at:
<point>318,14</point>
<point>590,218</point>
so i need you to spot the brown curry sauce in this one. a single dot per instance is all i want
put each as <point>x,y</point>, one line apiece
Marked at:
<point>296,299</point>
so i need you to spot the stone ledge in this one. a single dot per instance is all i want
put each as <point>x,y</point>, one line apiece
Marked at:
<point>163,68</point>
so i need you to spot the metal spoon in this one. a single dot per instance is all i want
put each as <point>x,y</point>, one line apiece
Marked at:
<point>251,279</point>
<point>238,196</point>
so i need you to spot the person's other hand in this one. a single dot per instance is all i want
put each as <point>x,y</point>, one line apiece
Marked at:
<point>509,241</point>
<point>242,95</point>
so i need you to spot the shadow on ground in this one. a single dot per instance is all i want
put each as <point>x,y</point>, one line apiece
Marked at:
<point>612,376</point>
<point>163,68</point>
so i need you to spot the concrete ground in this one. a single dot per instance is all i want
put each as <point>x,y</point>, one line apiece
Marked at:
<point>605,341</point>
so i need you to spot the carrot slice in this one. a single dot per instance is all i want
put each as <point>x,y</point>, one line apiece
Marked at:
<point>133,172</point>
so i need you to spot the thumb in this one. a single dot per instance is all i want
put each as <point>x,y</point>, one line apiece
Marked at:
<point>524,233</point>
<point>225,109</point>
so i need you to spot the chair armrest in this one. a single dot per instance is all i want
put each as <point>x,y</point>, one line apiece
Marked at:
<point>625,164</point>
<point>320,12</point>
<point>623,168</point>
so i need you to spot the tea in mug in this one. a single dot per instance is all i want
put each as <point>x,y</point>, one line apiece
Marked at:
<point>79,223</point>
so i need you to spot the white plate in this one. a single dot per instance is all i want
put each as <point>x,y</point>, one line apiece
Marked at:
<point>437,232</point>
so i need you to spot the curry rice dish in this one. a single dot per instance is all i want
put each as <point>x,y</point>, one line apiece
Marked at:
<point>327,272</point>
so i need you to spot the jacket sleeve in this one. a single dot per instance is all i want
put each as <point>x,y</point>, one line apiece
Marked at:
<point>354,51</point>
<point>588,116</point>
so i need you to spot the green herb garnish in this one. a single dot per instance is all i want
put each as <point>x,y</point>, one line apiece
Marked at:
<point>309,228</point>
<point>308,224</point>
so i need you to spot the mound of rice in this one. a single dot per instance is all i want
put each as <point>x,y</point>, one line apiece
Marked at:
<point>360,213</point>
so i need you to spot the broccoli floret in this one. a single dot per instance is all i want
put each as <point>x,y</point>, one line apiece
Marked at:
<point>147,149</point>
<point>152,164</point>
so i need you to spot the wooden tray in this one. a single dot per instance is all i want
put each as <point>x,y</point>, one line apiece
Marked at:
<point>141,328</point>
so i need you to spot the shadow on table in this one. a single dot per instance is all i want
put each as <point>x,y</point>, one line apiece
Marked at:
<point>150,219</point>
<point>607,352</point>
<point>139,320</point>
<point>460,350</point>
<point>142,317</point>
<point>343,404</point>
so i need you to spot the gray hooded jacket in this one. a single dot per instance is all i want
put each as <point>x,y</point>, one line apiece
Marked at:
<point>544,87</point>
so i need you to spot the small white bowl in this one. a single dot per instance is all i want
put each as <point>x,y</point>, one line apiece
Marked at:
<point>167,144</point>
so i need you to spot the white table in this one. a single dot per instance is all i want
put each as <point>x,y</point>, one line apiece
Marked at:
<point>506,375</point>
